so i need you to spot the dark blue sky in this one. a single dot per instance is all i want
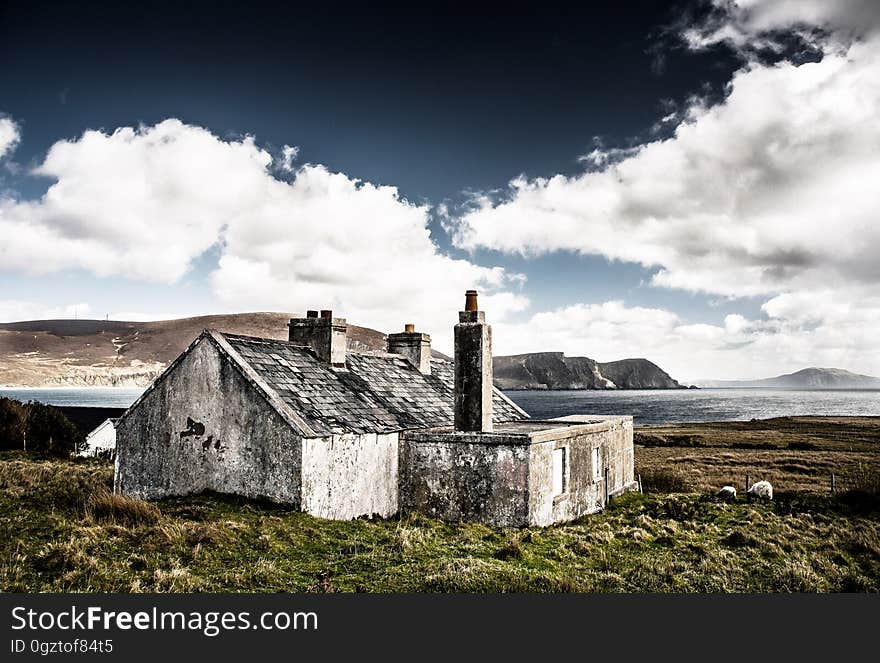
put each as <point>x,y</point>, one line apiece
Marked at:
<point>433,100</point>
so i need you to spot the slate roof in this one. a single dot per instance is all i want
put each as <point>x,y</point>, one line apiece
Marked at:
<point>375,393</point>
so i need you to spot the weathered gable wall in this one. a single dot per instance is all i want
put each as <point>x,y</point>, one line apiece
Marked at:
<point>204,427</point>
<point>347,476</point>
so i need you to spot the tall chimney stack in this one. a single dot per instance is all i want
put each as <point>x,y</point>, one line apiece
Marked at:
<point>473,368</point>
<point>413,345</point>
<point>326,336</point>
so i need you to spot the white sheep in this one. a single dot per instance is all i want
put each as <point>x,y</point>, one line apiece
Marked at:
<point>762,490</point>
<point>727,493</point>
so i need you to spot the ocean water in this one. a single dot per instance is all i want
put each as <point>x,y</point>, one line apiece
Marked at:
<point>692,405</point>
<point>647,407</point>
<point>82,396</point>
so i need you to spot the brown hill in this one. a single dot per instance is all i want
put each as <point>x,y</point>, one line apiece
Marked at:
<point>46,353</point>
<point>553,370</point>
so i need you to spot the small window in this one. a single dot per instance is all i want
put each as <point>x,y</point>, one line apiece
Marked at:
<point>560,471</point>
<point>597,466</point>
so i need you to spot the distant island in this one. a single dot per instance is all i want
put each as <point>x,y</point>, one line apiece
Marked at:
<point>553,370</point>
<point>808,378</point>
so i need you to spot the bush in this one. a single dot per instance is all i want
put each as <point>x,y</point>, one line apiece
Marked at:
<point>49,431</point>
<point>861,478</point>
<point>13,423</point>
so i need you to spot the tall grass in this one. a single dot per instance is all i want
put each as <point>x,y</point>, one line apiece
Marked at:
<point>111,508</point>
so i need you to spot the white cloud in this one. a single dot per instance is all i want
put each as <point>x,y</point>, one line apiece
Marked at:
<point>10,134</point>
<point>772,189</point>
<point>289,153</point>
<point>144,203</point>
<point>746,24</point>
<point>791,339</point>
<point>141,203</point>
<point>771,192</point>
<point>327,241</point>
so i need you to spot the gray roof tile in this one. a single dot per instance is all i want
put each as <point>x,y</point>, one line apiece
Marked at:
<point>374,393</point>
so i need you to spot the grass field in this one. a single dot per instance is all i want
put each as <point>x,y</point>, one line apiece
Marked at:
<point>62,530</point>
<point>793,453</point>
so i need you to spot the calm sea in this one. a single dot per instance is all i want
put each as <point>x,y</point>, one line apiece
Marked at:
<point>647,407</point>
<point>683,405</point>
<point>90,396</point>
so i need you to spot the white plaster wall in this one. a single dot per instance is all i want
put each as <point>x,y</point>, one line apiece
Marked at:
<point>585,494</point>
<point>347,476</point>
<point>244,448</point>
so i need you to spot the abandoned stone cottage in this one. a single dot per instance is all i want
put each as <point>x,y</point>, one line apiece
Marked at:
<point>341,434</point>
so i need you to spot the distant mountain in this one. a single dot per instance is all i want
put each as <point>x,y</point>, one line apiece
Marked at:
<point>85,353</point>
<point>553,370</point>
<point>808,378</point>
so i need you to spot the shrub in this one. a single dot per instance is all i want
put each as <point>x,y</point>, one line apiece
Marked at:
<point>13,423</point>
<point>862,478</point>
<point>49,431</point>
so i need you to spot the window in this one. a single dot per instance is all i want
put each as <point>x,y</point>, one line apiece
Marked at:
<point>560,471</point>
<point>597,466</point>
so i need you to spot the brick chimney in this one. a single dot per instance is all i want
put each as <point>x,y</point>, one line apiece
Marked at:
<point>325,335</point>
<point>473,368</point>
<point>413,345</point>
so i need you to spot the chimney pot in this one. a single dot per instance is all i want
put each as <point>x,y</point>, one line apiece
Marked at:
<point>326,313</point>
<point>311,314</point>
<point>470,300</point>
<point>409,327</point>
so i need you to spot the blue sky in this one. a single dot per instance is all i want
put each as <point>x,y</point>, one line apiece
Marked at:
<point>406,121</point>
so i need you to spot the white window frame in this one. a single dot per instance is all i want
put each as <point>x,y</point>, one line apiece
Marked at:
<point>560,477</point>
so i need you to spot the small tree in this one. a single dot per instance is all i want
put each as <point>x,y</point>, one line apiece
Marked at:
<point>49,431</point>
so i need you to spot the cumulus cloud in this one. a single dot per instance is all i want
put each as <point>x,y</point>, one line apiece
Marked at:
<point>289,153</point>
<point>772,189</point>
<point>144,203</point>
<point>771,192</point>
<point>750,24</point>
<point>9,136</point>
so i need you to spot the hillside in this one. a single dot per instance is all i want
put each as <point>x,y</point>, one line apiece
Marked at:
<point>84,353</point>
<point>553,370</point>
<point>808,378</point>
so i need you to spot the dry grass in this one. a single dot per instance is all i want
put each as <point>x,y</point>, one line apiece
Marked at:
<point>793,453</point>
<point>110,508</point>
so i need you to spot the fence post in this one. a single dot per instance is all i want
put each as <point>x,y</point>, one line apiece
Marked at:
<point>640,484</point>
<point>833,483</point>
<point>606,486</point>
